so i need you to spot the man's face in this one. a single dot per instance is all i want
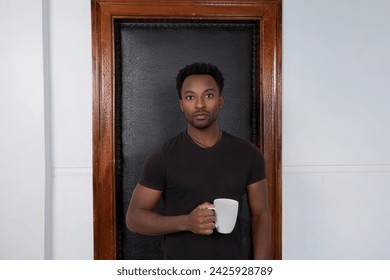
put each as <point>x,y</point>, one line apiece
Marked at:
<point>200,101</point>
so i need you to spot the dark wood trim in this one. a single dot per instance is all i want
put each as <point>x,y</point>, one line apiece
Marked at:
<point>268,12</point>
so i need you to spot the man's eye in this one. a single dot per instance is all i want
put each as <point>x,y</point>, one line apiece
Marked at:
<point>209,95</point>
<point>189,97</point>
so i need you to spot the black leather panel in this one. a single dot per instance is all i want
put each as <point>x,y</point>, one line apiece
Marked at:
<point>148,56</point>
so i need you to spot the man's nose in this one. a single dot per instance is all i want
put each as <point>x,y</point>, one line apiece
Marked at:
<point>200,103</point>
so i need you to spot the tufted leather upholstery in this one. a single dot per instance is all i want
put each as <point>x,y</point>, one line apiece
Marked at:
<point>148,56</point>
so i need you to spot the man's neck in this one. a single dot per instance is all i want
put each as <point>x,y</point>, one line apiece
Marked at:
<point>206,137</point>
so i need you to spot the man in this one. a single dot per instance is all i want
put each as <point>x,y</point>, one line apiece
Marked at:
<point>192,169</point>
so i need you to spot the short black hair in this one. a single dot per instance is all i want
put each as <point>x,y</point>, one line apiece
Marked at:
<point>199,68</point>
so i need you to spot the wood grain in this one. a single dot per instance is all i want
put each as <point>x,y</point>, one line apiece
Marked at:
<point>269,15</point>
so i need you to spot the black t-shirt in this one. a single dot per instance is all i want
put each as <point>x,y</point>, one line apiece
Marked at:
<point>190,175</point>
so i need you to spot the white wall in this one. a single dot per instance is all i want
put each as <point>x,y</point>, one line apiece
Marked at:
<point>336,153</point>
<point>71,125</point>
<point>22,155</point>
<point>336,158</point>
<point>46,124</point>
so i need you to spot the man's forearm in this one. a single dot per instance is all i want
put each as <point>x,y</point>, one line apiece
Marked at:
<point>261,236</point>
<point>151,223</point>
<point>144,221</point>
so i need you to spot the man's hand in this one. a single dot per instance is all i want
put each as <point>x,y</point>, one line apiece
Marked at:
<point>201,219</point>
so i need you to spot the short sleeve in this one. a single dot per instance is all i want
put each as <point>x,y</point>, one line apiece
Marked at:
<point>257,166</point>
<point>153,172</point>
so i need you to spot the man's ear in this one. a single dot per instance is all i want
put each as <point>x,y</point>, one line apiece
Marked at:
<point>221,101</point>
<point>181,105</point>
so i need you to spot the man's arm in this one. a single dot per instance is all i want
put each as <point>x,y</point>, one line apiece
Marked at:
<point>141,217</point>
<point>260,218</point>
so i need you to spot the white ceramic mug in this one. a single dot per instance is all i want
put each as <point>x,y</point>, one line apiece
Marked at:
<point>226,211</point>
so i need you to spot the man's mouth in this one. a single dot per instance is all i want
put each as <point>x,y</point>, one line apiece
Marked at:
<point>200,116</point>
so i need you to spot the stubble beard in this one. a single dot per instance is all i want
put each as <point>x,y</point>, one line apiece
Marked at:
<point>202,124</point>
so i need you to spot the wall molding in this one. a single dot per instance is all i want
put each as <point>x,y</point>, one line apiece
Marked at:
<point>267,13</point>
<point>72,171</point>
<point>336,168</point>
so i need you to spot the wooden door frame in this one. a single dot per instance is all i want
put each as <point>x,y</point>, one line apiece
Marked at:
<point>104,12</point>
